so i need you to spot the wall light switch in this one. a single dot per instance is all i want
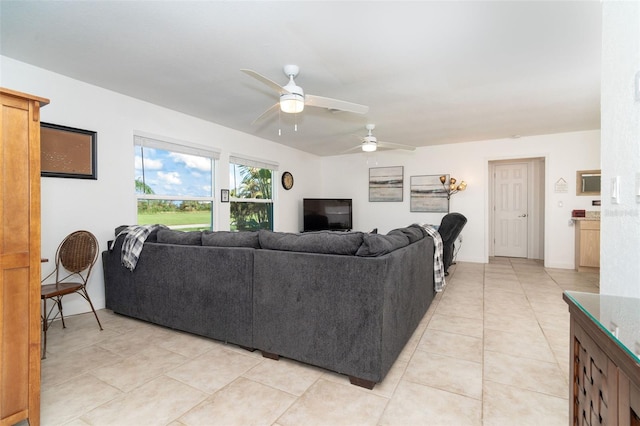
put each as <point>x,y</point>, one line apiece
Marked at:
<point>615,190</point>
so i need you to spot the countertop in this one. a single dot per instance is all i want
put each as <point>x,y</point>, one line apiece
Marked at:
<point>618,317</point>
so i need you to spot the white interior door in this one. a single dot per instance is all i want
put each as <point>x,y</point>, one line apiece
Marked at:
<point>510,210</point>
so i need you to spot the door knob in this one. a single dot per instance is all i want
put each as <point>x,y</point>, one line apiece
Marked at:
<point>523,215</point>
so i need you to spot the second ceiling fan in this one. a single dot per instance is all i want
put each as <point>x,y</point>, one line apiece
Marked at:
<point>293,99</point>
<point>370,143</point>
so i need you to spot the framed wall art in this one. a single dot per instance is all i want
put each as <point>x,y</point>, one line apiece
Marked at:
<point>386,183</point>
<point>428,194</point>
<point>67,152</point>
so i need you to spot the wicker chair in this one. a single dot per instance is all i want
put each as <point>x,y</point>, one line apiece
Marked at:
<point>75,258</point>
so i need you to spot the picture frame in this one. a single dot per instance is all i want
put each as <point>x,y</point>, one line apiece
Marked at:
<point>224,195</point>
<point>428,194</point>
<point>386,184</point>
<point>67,152</point>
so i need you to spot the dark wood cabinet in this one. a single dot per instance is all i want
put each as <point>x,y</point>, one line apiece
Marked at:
<point>605,366</point>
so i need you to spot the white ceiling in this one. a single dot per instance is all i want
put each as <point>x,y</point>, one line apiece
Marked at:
<point>431,72</point>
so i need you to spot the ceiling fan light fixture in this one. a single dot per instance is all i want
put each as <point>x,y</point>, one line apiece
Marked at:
<point>369,146</point>
<point>291,103</point>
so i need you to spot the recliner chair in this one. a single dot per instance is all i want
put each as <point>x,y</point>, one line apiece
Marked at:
<point>450,228</point>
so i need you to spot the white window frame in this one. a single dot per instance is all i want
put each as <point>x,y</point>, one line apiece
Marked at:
<point>243,160</point>
<point>167,144</point>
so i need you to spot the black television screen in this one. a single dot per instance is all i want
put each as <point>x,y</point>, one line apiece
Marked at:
<point>327,214</point>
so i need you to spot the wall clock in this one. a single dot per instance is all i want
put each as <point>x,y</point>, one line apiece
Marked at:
<point>287,180</point>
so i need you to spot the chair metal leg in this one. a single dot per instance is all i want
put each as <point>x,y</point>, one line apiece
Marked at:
<point>45,326</point>
<point>86,296</point>
<point>60,310</point>
<point>46,322</point>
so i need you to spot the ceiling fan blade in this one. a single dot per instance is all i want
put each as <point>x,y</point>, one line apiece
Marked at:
<point>269,111</point>
<point>390,145</point>
<point>353,149</point>
<point>334,104</point>
<point>275,86</point>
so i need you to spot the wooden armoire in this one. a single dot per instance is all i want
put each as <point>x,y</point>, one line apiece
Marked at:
<point>20,257</point>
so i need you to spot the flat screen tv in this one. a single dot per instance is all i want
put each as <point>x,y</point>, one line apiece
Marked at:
<point>327,214</point>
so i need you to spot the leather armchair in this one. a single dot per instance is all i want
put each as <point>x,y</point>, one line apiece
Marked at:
<point>450,228</point>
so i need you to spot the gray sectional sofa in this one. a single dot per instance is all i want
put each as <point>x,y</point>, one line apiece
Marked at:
<point>347,302</point>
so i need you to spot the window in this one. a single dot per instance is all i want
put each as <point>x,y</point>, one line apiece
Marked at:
<point>251,194</point>
<point>174,184</point>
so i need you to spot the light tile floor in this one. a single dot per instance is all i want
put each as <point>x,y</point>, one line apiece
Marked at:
<point>493,349</point>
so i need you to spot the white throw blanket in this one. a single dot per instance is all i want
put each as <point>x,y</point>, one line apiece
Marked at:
<point>438,265</point>
<point>133,242</point>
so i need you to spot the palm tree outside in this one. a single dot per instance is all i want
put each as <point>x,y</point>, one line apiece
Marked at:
<point>255,184</point>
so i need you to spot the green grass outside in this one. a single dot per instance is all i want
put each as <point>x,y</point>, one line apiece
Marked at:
<point>177,219</point>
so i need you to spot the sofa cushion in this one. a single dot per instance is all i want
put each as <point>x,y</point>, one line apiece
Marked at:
<point>151,238</point>
<point>231,239</point>
<point>377,244</point>
<point>190,238</point>
<point>326,242</point>
<point>413,232</point>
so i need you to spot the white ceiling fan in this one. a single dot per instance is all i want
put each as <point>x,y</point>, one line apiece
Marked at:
<point>370,143</point>
<point>293,99</point>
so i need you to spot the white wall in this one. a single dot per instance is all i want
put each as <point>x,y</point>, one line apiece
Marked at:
<point>564,153</point>
<point>620,224</point>
<point>101,205</point>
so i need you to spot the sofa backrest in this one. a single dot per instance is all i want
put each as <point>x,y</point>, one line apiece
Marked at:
<point>231,239</point>
<point>324,242</point>
<point>374,244</point>
<point>191,238</point>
